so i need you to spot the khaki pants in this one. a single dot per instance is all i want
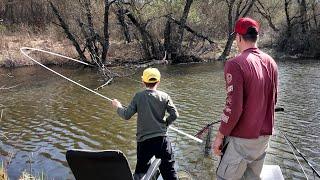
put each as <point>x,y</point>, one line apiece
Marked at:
<point>243,158</point>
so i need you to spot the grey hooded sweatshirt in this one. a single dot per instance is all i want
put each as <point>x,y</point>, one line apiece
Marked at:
<point>151,106</point>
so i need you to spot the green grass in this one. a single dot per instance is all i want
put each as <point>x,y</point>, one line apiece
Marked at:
<point>2,28</point>
<point>27,176</point>
<point>3,175</point>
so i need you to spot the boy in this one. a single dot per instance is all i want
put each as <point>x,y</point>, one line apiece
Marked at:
<point>151,105</point>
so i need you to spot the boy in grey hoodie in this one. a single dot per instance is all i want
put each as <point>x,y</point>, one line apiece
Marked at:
<point>151,105</point>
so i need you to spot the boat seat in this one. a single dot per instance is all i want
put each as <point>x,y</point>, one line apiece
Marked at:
<point>271,172</point>
<point>105,165</point>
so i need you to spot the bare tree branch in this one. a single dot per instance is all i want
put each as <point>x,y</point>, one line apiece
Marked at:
<point>266,14</point>
<point>7,88</point>
<point>249,7</point>
<point>2,134</point>
<point>1,114</point>
<point>68,33</point>
<point>191,30</point>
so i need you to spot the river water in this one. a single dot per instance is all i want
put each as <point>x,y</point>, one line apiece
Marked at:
<point>44,115</point>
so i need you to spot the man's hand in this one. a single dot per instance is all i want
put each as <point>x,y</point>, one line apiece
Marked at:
<point>116,104</point>
<point>217,144</point>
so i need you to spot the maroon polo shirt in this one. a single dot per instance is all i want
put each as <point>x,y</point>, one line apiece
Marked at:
<point>251,85</point>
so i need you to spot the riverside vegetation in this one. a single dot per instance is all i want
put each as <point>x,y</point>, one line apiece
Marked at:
<point>133,30</point>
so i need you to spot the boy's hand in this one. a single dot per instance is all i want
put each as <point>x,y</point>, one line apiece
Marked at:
<point>116,104</point>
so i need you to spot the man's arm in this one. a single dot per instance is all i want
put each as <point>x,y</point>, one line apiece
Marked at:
<point>172,110</point>
<point>276,79</point>
<point>234,100</point>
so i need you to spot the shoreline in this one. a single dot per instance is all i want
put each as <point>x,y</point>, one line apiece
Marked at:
<point>119,53</point>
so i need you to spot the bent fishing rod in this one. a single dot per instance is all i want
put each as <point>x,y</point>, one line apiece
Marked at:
<point>290,143</point>
<point>205,128</point>
<point>23,49</point>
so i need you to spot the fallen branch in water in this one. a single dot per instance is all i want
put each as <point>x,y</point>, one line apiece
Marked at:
<point>0,121</point>
<point>1,115</point>
<point>9,75</point>
<point>4,136</point>
<point>7,88</point>
<point>108,82</point>
<point>154,62</point>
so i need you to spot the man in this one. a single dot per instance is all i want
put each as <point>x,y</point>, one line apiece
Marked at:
<point>248,117</point>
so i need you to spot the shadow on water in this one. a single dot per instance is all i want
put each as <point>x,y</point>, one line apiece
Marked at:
<point>46,115</point>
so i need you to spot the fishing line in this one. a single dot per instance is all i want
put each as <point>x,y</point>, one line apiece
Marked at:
<point>23,49</point>
<point>295,155</point>
<point>24,53</point>
<point>292,145</point>
<point>48,52</point>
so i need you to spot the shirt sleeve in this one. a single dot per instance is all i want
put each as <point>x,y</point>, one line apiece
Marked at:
<point>172,110</point>
<point>127,112</point>
<point>276,84</point>
<point>234,101</point>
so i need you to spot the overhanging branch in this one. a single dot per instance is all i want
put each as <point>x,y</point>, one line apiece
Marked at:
<point>189,29</point>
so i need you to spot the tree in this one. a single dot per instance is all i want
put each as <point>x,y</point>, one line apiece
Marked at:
<point>236,9</point>
<point>120,12</point>
<point>182,23</point>
<point>95,44</point>
<point>265,12</point>
<point>301,21</point>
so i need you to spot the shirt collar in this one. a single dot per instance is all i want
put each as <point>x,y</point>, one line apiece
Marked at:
<point>251,49</point>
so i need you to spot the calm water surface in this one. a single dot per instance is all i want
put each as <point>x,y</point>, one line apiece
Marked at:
<point>45,115</point>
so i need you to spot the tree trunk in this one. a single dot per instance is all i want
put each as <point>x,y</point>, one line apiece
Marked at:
<point>143,33</point>
<point>8,13</point>
<point>91,37</point>
<point>314,14</point>
<point>230,40</point>
<point>189,29</point>
<point>167,38</point>
<point>227,48</point>
<point>183,21</point>
<point>120,16</point>
<point>151,46</point>
<point>106,32</point>
<point>68,33</point>
<point>303,16</point>
<point>266,14</point>
<point>240,12</point>
<point>288,19</point>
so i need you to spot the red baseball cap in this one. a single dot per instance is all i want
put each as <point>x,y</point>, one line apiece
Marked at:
<point>243,24</point>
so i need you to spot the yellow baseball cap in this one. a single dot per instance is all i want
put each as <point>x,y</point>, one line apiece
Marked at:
<point>151,75</point>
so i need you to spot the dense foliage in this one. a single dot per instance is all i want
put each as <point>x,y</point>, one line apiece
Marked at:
<point>289,26</point>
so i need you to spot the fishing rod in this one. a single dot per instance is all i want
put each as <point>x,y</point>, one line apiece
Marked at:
<point>23,49</point>
<point>290,143</point>
<point>205,128</point>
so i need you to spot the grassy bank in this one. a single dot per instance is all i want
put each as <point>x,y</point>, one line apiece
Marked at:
<point>10,55</point>
<point>53,40</point>
<point>11,42</point>
<point>24,176</point>
<point>3,175</point>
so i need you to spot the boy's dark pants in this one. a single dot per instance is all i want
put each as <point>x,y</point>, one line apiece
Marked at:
<point>161,148</point>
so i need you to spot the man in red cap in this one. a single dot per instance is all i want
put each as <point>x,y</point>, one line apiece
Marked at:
<point>248,117</point>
